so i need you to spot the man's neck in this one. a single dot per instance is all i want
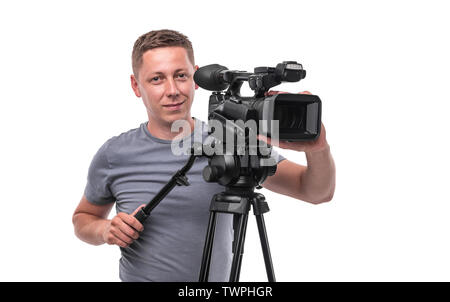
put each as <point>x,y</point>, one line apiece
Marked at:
<point>164,131</point>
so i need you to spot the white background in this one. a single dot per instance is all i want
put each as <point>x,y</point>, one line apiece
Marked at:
<point>381,69</point>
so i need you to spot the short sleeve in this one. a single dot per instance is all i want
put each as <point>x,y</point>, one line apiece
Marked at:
<point>274,159</point>
<point>97,189</point>
<point>277,156</point>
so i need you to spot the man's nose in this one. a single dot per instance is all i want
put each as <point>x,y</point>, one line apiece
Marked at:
<point>172,89</point>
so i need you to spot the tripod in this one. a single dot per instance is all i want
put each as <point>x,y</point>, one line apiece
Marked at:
<point>237,202</point>
<point>240,174</point>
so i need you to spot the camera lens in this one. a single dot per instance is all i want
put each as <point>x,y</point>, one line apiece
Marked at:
<point>290,116</point>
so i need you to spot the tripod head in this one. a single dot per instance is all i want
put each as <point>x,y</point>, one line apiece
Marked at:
<point>242,166</point>
<point>239,171</point>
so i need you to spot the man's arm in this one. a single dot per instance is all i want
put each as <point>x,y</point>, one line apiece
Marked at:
<point>92,226</point>
<point>314,183</point>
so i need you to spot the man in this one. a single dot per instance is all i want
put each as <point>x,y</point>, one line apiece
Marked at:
<point>129,169</point>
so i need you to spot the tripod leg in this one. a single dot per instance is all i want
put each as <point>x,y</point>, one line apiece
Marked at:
<point>239,248</point>
<point>265,247</point>
<point>207,250</point>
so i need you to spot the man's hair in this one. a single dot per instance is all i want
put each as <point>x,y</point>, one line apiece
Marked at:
<point>159,38</point>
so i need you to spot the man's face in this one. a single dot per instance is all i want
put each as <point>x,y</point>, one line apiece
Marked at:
<point>165,83</point>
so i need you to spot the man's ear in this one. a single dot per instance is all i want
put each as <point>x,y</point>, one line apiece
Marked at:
<point>196,68</point>
<point>135,86</point>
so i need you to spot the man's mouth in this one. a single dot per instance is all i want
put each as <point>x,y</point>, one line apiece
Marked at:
<point>175,105</point>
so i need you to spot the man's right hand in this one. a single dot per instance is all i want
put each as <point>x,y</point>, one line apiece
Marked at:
<point>123,229</point>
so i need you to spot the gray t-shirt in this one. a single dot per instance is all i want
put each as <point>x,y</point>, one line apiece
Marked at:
<point>130,169</point>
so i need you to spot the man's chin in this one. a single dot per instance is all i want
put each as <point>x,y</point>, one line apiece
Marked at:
<point>177,117</point>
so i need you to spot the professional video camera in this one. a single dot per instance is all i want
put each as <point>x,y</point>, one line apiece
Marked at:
<point>298,115</point>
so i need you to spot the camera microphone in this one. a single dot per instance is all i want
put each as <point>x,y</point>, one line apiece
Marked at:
<point>210,77</point>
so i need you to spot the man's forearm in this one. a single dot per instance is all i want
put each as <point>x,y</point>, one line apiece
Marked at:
<point>90,228</point>
<point>319,179</point>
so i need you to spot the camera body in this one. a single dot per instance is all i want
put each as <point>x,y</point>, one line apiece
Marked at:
<point>288,117</point>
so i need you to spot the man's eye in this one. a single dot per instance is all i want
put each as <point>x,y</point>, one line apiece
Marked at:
<point>155,79</point>
<point>181,75</point>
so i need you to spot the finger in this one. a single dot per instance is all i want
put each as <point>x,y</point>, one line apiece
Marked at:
<point>137,209</point>
<point>118,234</point>
<point>271,92</point>
<point>119,242</point>
<point>132,221</point>
<point>128,230</point>
<point>305,92</point>
<point>281,144</point>
<point>120,226</point>
<point>263,138</point>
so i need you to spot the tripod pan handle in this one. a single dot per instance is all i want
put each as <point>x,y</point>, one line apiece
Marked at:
<point>141,216</point>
